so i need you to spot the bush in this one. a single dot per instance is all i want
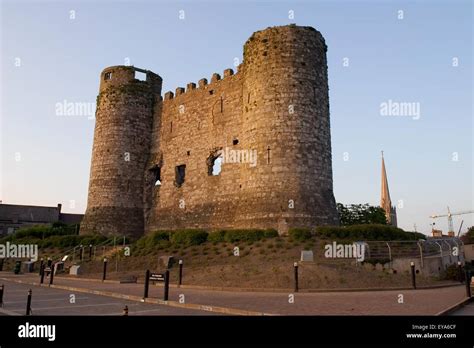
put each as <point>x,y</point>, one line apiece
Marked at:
<point>450,273</point>
<point>45,231</point>
<point>366,232</point>
<point>159,236</point>
<point>217,236</point>
<point>243,235</point>
<point>270,233</point>
<point>158,239</point>
<point>299,234</point>
<point>63,241</point>
<point>87,240</point>
<point>188,237</point>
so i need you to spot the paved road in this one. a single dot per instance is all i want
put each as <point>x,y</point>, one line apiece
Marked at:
<point>396,302</point>
<point>49,301</point>
<point>465,310</point>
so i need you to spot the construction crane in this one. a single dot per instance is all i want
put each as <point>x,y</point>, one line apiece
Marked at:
<point>450,218</point>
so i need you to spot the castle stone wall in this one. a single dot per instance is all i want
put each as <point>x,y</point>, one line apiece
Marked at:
<point>122,136</point>
<point>275,106</point>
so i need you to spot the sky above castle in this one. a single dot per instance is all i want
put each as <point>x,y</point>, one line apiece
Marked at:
<point>400,79</point>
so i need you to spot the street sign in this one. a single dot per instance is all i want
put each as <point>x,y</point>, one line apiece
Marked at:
<point>160,277</point>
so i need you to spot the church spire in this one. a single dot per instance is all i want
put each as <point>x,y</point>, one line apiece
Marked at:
<point>385,201</point>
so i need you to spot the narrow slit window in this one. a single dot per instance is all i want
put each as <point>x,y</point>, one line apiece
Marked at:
<point>156,171</point>
<point>180,173</point>
<point>222,104</point>
<point>268,155</point>
<point>107,76</point>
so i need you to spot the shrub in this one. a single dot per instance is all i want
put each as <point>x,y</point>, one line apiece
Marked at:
<point>217,236</point>
<point>366,232</point>
<point>270,233</point>
<point>159,236</point>
<point>158,239</point>
<point>188,237</point>
<point>87,240</point>
<point>45,231</point>
<point>64,241</point>
<point>279,245</point>
<point>299,234</point>
<point>243,235</point>
<point>450,273</point>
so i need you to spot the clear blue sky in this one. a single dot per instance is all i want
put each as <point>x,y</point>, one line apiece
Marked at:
<point>405,60</point>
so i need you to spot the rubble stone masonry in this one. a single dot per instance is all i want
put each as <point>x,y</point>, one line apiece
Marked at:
<point>269,123</point>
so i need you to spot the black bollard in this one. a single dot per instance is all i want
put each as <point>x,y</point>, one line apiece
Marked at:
<point>167,285</point>
<point>460,272</point>
<point>104,274</point>
<point>41,266</point>
<point>1,264</point>
<point>90,252</point>
<point>2,288</point>
<point>28,303</point>
<point>413,276</point>
<point>147,283</point>
<point>51,275</point>
<point>180,278</point>
<point>42,273</point>
<point>296,276</point>
<point>81,254</point>
<point>468,283</point>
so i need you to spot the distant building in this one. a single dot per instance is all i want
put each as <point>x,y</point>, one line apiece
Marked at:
<point>13,216</point>
<point>385,201</point>
<point>439,233</point>
<point>469,252</point>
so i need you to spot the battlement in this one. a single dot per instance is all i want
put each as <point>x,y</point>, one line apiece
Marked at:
<point>201,85</point>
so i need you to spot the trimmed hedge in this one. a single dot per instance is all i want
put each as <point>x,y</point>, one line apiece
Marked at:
<point>299,234</point>
<point>367,232</point>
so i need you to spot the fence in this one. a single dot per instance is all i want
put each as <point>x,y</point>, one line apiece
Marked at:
<point>431,256</point>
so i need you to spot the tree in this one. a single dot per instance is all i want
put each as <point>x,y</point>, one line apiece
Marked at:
<point>468,237</point>
<point>357,214</point>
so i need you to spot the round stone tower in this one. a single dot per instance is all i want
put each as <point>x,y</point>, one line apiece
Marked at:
<point>286,119</point>
<point>122,137</point>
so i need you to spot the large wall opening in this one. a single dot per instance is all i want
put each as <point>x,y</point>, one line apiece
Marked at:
<point>214,164</point>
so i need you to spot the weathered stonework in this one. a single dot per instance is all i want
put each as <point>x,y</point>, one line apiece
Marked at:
<point>276,106</point>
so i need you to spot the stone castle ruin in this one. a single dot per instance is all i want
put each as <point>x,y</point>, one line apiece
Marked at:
<point>155,161</point>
